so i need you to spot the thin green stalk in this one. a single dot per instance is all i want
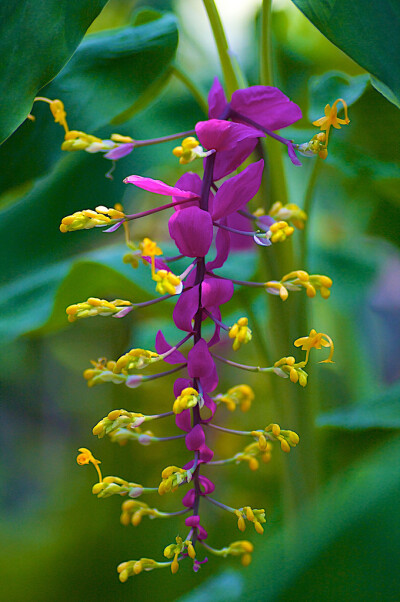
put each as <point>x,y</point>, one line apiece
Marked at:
<point>265,44</point>
<point>307,206</point>
<point>278,188</point>
<point>231,81</point>
<point>309,397</point>
<point>280,260</point>
<point>192,87</point>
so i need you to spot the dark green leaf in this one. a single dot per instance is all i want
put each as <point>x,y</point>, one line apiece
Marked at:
<point>366,31</point>
<point>110,72</point>
<point>112,69</point>
<point>36,40</point>
<point>385,91</point>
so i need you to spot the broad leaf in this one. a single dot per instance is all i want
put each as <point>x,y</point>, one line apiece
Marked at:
<point>110,72</point>
<point>380,411</point>
<point>330,551</point>
<point>226,587</point>
<point>366,31</point>
<point>36,40</point>
<point>327,88</point>
<point>35,257</point>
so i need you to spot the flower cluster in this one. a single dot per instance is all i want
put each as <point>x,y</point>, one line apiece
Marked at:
<point>205,216</point>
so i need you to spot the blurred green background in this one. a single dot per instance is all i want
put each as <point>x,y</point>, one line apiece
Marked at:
<point>333,503</point>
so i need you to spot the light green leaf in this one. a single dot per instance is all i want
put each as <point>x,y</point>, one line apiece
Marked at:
<point>327,88</point>
<point>342,546</point>
<point>366,31</point>
<point>380,411</point>
<point>226,587</point>
<point>35,257</point>
<point>36,40</point>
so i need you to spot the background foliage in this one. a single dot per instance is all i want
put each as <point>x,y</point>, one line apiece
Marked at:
<point>339,541</point>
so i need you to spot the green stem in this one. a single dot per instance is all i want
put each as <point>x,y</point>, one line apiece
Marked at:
<point>192,87</point>
<point>278,188</point>
<point>307,206</point>
<point>279,261</point>
<point>231,80</point>
<point>265,44</point>
<point>309,401</point>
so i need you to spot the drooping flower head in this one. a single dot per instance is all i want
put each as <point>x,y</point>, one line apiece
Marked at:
<point>208,218</point>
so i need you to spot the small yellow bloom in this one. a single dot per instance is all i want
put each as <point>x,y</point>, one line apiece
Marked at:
<point>121,139</point>
<point>85,457</point>
<point>280,231</point>
<point>253,515</point>
<point>189,150</point>
<point>287,366</point>
<point>295,280</point>
<point>287,439</point>
<point>87,219</point>
<point>135,359</point>
<point>331,119</point>
<point>167,283</point>
<point>172,477</point>
<point>95,307</point>
<point>289,212</point>
<point>57,109</point>
<point>134,567</point>
<point>188,398</point>
<point>241,333</point>
<point>316,340</point>
<point>149,248</point>
<point>240,395</point>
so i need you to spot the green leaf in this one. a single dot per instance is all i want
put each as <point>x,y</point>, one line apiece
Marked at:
<point>224,587</point>
<point>112,69</point>
<point>327,88</point>
<point>36,40</point>
<point>366,31</point>
<point>110,72</point>
<point>385,91</point>
<point>380,411</point>
<point>92,279</point>
<point>342,546</point>
<point>35,257</point>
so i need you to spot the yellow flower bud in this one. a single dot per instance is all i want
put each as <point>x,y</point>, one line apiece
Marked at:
<point>137,567</point>
<point>258,527</point>
<point>241,523</point>
<point>285,446</point>
<point>174,566</point>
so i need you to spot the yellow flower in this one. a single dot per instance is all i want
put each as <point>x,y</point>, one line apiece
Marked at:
<point>280,231</point>
<point>87,219</point>
<point>291,212</point>
<point>85,457</point>
<point>240,395</point>
<point>317,340</point>
<point>331,119</point>
<point>240,332</point>
<point>188,398</point>
<point>57,110</point>
<point>167,283</point>
<point>189,150</point>
<point>96,307</point>
<point>149,248</point>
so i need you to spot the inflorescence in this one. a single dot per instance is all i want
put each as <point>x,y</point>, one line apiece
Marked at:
<point>205,215</point>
